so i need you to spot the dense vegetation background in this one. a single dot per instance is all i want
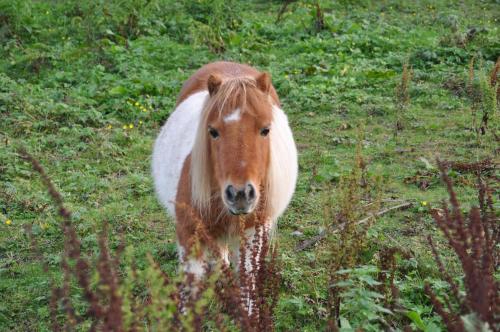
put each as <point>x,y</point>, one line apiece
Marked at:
<point>86,85</point>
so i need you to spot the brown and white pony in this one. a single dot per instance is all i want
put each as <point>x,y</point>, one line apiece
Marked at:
<point>225,154</point>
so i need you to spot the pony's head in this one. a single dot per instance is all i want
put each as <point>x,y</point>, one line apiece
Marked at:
<point>231,153</point>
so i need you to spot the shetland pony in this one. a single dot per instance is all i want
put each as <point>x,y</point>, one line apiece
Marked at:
<point>226,154</point>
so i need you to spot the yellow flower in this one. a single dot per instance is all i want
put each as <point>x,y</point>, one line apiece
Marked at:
<point>110,126</point>
<point>140,122</point>
<point>8,222</point>
<point>136,104</point>
<point>131,126</point>
<point>424,203</point>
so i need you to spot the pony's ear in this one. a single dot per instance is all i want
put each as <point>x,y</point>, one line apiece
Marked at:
<point>264,82</point>
<point>213,84</point>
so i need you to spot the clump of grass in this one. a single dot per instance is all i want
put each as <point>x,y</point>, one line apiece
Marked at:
<point>475,240</point>
<point>109,286</point>
<point>456,37</point>
<point>402,96</point>
<point>212,21</point>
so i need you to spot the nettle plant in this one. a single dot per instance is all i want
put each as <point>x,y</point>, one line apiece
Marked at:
<point>361,299</point>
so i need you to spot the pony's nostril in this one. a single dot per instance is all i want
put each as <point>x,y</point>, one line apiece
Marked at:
<point>250,191</point>
<point>230,194</point>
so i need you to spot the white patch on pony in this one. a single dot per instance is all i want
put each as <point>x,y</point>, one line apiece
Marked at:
<point>173,145</point>
<point>233,117</point>
<point>196,267</point>
<point>283,168</point>
<point>181,252</point>
<point>233,244</point>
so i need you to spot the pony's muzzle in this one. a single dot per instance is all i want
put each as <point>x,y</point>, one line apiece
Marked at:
<point>240,200</point>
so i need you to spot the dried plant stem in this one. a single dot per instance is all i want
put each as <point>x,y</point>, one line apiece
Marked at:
<point>475,241</point>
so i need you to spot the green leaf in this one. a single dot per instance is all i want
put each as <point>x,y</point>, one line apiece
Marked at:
<point>118,90</point>
<point>416,319</point>
<point>344,323</point>
<point>432,328</point>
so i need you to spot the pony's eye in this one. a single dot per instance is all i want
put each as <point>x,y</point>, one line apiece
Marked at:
<point>264,131</point>
<point>214,133</point>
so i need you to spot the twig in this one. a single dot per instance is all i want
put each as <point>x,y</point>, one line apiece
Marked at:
<point>311,242</point>
<point>282,10</point>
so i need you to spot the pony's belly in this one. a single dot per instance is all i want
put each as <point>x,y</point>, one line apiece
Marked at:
<point>173,145</point>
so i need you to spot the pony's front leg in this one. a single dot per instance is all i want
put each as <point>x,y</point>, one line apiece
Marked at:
<point>247,257</point>
<point>191,263</point>
<point>194,267</point>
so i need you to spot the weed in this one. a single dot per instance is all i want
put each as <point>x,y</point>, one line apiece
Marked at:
<point>475,242</point>
<point>402,96</point>
<point>482,89</point>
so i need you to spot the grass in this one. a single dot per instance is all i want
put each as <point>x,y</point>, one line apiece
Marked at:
<point>85,88</point>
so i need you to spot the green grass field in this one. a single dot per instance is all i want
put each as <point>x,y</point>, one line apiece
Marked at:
<point>86,86</point>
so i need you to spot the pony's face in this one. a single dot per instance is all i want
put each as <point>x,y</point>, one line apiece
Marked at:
<point>239,149</point>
